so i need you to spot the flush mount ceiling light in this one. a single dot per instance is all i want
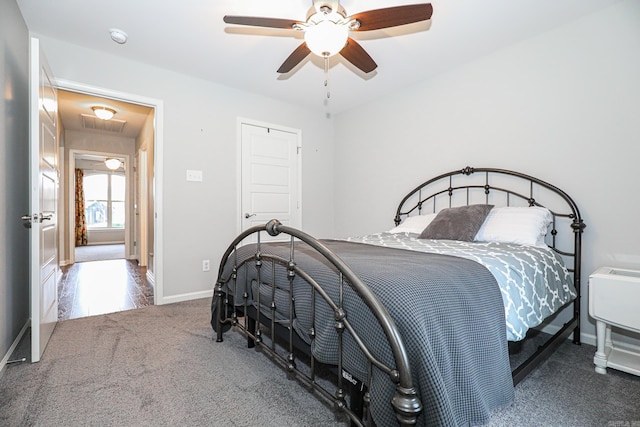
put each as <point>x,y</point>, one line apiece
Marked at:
<point>118,36</point>
<point>112,163</point>
<point>104,113</point>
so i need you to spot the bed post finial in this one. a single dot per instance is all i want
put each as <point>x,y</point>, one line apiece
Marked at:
<point>272,227</point>
<point>578,225</point>
<point>407,405</point>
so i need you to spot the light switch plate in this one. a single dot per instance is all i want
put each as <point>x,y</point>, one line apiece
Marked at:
<point>194,175</point>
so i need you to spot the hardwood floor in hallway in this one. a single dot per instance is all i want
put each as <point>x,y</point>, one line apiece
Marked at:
<point>99,287</point>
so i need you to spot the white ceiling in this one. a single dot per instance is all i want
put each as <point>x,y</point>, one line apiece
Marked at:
<point>190,37</point>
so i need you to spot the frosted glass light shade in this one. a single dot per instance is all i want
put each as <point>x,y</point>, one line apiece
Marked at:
<point>103,113</point>
<point>326,38</point>
<point>112,163</point>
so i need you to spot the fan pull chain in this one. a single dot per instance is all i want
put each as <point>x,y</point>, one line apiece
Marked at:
<point>326,75</point>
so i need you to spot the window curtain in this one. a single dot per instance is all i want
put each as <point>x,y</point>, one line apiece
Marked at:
<point>81,223</point>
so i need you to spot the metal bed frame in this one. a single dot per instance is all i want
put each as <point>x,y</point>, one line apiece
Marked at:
<point>347,394</point>
<point>419,198</point>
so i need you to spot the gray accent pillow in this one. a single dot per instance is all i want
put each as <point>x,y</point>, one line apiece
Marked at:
<point>461,223</point>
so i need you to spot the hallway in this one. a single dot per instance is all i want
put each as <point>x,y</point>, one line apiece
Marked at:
<point>99,287</point>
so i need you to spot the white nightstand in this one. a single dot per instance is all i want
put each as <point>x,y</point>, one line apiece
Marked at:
<point>614,300</point>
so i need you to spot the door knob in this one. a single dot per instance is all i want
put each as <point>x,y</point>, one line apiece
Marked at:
<point>27,221</point>
<point>45,217</point>
<point>248,215</point>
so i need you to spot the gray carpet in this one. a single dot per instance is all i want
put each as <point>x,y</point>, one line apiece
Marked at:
<point>99,252</point>
<point>158,366</point>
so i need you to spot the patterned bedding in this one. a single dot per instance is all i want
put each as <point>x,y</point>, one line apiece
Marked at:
<point>534,282</point>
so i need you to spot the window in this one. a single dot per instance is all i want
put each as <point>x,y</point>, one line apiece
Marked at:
<point>104,199</point>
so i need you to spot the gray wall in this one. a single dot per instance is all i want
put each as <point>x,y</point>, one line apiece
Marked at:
<point>562,106</point>
<point>200,133</point>
<point>14,186</point>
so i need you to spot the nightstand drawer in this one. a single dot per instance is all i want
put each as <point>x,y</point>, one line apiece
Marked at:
<point>614,297</point>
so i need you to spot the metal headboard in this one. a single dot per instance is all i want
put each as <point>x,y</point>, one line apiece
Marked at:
<point>458,188</point>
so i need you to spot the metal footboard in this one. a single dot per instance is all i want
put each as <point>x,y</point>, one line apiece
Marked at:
<point>405,402</point>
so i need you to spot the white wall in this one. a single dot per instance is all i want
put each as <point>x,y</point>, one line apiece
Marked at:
<point>200,120</point>
<point>563,106</point>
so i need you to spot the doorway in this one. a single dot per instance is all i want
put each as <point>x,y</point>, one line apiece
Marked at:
<point>269,174</point>
<point>103,272</point>
<point>102,205</point>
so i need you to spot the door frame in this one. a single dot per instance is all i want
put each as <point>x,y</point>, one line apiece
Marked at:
<point>158,106</point>
<point>72,207</point>
<point>244,121</point>
<point>141,213</point>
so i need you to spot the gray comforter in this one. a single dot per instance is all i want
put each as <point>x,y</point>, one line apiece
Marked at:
<point>448,310</point>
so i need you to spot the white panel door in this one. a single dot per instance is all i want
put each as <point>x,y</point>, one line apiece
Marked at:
<point>43,180</point>
<point>270,176</point>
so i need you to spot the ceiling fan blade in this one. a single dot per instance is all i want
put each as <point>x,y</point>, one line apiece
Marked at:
<point>295,58</point>
<point>260,22</point>
<point>393,16</point>
<point>355,54</point>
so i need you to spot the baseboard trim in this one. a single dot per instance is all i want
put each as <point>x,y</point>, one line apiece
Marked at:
<point>618,342</point>
<point>15,343</point>
<point>186,297</point>
<point>590,339</point>
<point>105,242</point>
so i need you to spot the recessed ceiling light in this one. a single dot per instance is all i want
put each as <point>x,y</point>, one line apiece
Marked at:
<point>118,36</point>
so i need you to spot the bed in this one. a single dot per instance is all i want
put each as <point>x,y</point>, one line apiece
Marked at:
<point>414,325</point>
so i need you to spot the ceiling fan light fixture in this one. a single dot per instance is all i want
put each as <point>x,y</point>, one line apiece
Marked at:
<point>104,113</point>
<point>326,38</point>
<point>112,163</point>
<point>326,30</point>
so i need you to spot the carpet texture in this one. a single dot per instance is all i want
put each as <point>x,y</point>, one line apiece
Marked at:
<point>155,366</point>
<point>159,366</point>
<point>98,252</point>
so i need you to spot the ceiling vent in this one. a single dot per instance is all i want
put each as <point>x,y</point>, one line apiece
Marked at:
<point>92,122</point>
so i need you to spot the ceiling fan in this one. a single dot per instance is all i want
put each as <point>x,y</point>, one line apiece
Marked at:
<point>326,30</point>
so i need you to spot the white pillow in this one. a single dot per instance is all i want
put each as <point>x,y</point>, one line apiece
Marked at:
<point>414,224</point>
<point>520,225</point>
